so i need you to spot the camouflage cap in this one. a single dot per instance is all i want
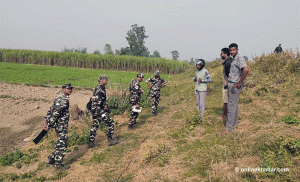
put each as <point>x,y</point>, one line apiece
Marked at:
<point>67,86</point>
<point>140,75</point>
<point>102,77</point>
<point>156,72</point>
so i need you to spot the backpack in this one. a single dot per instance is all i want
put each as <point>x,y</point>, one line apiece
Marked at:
<point>89,105</point>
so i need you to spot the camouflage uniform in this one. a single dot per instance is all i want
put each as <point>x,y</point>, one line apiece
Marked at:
<point>98,113</point>
<point>135,98</point>
<point>58,117</point>
<point>157,83</point>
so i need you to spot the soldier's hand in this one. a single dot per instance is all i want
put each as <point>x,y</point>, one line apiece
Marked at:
<point>238,85</point>
<point>199,80</point>
<point>46,128</point>
<point>137,106</point>
<point>142,91</point>
<point>105,107</point>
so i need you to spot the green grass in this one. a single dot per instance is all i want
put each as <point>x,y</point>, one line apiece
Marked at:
<point>189,149</point>
<point>49,75</point>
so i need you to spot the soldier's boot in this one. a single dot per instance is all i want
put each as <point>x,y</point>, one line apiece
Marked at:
<point>50,160</point>
<point>91,145</point>
<point>131,126</point>
<point>62,166</point>
<point>111,141</point>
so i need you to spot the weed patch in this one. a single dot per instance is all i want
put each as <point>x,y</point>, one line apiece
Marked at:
<point>290,120</point>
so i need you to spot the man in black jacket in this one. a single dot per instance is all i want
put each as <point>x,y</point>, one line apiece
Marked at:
<point>278,49</point>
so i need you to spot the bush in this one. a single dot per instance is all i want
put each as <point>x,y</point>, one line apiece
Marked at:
<point>290,120</point>
<point>118,106</point>
<point>9,159</point>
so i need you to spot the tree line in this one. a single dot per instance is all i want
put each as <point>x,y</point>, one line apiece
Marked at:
<point>136,38</point>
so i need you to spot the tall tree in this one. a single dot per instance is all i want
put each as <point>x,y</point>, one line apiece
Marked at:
<point>117,52</point>
<point>156,54</point>
<point>192,62</point>
<point>175,55</point>
<point>107,49</point>
<point>125,51</point>
<point>97,52</point>
<point>135,38</point>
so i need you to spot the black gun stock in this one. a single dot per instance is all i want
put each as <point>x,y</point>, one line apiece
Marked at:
<point>40,136</point>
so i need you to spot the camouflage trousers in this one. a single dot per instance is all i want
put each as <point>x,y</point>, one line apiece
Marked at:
<point>154,98</point>
<point>61,144</point>
<point>133,117</point>
<point>97,118</point>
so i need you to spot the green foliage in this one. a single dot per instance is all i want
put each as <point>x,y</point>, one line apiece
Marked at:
<point>47,75</point>
<point>159,155</point>
<point>26,175</point>
<point>99,157</point>
<point>41,165</point>
<point>39,179</point>
<point>93,61</point>
<point>9,159</point>
<point>135,38</point>
<point>193,118</point>
<point>4,96</point>
<point>13,177</point>
<point>79,49</point>
<point>175,55</point>
<point>292,146</point>
<point>18,165</point>
<point>155,54</point>
<point>118,106</point>
<point>290,120</point>
<point>97,52</point>
<point>298,93</point>
<point>59,175</point>
<point>77,139</point>
<point>107,49</point>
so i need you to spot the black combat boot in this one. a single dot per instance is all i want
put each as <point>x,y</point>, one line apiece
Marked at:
<point>62,166</point>
<point>111,141</point>
<point>50,160</point>
<point>91,145</point>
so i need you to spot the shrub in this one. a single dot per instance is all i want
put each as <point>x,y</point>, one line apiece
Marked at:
<point>290,120</point>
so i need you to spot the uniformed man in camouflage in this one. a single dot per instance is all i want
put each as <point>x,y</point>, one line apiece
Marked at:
<point>135,98</point>
<point>100,112</point>
<point>58,118</point>
<point>155,83</point>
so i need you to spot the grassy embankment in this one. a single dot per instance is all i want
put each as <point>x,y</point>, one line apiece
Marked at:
<point>177,146</point>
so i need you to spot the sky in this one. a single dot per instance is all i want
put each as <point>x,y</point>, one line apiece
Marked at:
<point>197,29</point>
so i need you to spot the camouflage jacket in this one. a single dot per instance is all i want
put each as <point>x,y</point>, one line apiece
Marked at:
<point>135,92</point>
<point>58,112</point>
<point>99,99</point>
<point>156,83</point>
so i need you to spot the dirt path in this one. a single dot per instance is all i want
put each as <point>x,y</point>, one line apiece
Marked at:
<point>23,108</point>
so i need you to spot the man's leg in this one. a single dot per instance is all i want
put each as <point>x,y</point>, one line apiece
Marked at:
<point>225,108</point>
<point>197,100</point>
<point>233,99</point>
<point>110,128</point>
<point>94,129</point>
<point>109,123</point>
<point>61,146</point>
<point>202,103</point>
<point>153,104</point>
<point>133,117</point>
